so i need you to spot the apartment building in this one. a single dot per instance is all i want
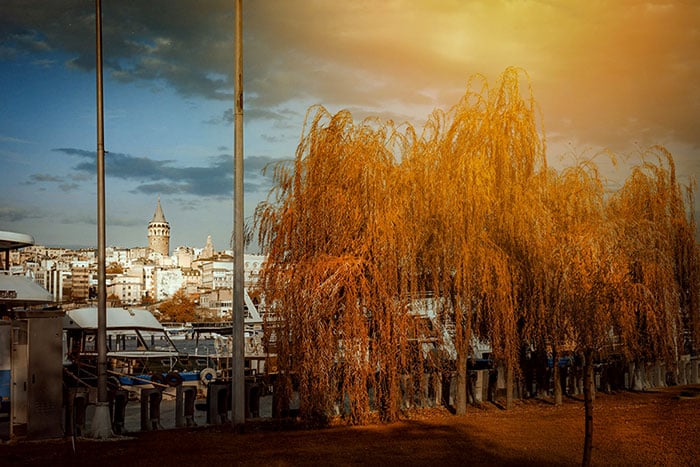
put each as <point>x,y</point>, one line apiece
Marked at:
<point>166,282</point>
<point>127,288</point>
<point>80,284</point>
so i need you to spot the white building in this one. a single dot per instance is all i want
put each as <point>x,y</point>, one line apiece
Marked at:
<point>126,288</point>
<point>161,260</point>
<point>148,271</point>
<point>56,281</point>
<point>193,280</point>
<point>252,264</point>
<point>81,264</point>
<point>167,282</point>
<point>183,257</point>
<point>220,305</point>
<point>139,252</point>
<point>217,274</point>
<point>117,255</point>
<point>218,302</point>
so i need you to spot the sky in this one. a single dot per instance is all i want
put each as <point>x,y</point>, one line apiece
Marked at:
<point>608,76</point>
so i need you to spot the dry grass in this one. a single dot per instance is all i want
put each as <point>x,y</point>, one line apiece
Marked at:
<point>654,428</point>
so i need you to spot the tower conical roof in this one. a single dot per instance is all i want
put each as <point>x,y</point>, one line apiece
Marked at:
<point>158,216</point>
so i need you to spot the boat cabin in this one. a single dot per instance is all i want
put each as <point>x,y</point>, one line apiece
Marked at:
<point>137,345</point>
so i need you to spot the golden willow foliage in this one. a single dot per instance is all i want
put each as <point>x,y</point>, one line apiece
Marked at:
<point>656,239</point>
<point>482,156</point>
<point>371,217</point>
<point>333,274</point>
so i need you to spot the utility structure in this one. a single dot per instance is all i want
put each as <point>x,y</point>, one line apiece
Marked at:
<point>238,315</point>
<point>101,424</point>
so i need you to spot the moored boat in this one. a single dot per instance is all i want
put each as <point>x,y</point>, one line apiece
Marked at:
<point>139,350</point>
<point>178,331</point>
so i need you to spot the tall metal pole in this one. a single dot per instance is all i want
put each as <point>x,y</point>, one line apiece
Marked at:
<point>101,426</point>
<point>238,366</point>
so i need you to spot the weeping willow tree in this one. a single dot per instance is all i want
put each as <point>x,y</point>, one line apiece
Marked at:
<point>593,277</point>
<point>655,232</point>
<point>515,222</point>
<point>556,210</point>
<point>355,234</point>
<point>370,218</point>
<point>486,161</point>
<point>333,270</point>
<point>618,287</point>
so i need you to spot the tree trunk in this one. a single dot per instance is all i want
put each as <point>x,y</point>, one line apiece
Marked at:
<point>557,377</point>
<point>588,389</point>
<point>471,387</point>
<point>280,401</point>
<point>637,375</point>
<point>461,396</point>
<point>509,385</point>
<point>436,384</point>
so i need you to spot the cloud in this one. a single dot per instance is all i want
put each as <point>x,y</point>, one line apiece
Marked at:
<point>67,187</point>
<point>595,65</point>
<point>282,119</point>
<point>76,152</point>
<point>606,74</point>
<point>16,213</point>
<point>116,221</point>
<point>616,71</point>
<point>225,119</point>
<point>161,188</point>
<point>163,176</point>
<point>10,139</point>
<point>20,42</point>
<point>82,219</point>
<point>82,177</point>
<point>45,63</point>
<point>91,219</point>
<point>142,41</point>
<point>45,178</point>
<point>276,138</point>
<point>255,164</point>
<point>298,53</point>
<point>48,178</point>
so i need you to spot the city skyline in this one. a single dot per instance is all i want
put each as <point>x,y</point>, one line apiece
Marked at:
<point>618,77</point>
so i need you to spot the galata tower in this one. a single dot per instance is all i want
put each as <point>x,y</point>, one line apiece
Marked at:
<point>159,232</point>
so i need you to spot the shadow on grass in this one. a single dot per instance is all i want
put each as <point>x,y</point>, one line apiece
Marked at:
<point>411,442</point>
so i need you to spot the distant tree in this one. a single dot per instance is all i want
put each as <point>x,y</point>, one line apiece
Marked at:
<point>114,300</point>
<point>114,268</point>
<point>180,308</point>
<point>147,300</point>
